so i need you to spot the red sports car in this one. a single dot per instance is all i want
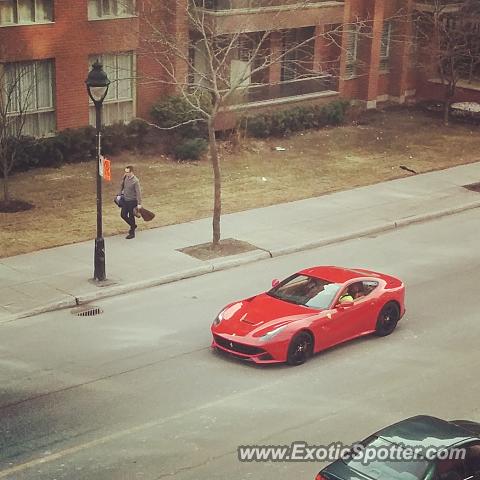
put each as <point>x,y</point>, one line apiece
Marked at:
<point>309,311</point>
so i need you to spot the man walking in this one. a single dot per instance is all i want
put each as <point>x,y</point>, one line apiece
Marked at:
<point>132,198</point>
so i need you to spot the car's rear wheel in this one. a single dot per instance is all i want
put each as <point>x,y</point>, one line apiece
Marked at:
<point>300,348</point>
<point>387,319</point>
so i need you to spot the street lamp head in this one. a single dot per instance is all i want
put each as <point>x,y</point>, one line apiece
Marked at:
<point>97,83</point>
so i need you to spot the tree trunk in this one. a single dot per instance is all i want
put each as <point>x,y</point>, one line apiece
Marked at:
<point>449,94</point>
<point>217,182</point>
<point>6,193</point>
<point>446,112</point>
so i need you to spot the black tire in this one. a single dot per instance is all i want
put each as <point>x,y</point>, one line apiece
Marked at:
<point>387,319</point>
<point>300,348</point>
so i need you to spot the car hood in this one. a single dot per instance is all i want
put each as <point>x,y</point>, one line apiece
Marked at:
<point>261,314</point>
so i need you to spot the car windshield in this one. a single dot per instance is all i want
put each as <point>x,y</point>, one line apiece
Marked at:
<point>307,291</point>
<point>382,468</point>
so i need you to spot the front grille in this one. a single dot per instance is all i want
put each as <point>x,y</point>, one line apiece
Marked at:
<point>237,347</point>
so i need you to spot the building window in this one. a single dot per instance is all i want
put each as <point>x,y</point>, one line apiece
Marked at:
<point>385,46</point>
<point>110,8</point>
<point>351,54</point>
<point>30,97</point>
<point>118,105</point>
<point>14,12</point>
<point>298,53</point>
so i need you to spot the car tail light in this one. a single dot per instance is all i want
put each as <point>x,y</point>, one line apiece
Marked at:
<point>320,477</point>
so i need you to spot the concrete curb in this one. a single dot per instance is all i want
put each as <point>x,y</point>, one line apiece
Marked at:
<point>49,307</point>
<point>438,214</point>
<point>243,259</point>
<point>336,239</point>
<point>249,257</point>
<point>107,292</point>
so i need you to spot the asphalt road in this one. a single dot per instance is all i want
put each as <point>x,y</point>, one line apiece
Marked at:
<point>136,393</point>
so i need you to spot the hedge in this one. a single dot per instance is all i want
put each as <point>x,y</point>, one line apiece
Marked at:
<point>284,122</point>
<point>75,145</point>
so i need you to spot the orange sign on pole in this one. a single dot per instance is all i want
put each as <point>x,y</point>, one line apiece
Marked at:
<point>107,173</point>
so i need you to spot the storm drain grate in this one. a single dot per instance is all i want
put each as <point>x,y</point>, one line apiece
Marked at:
<point>474,187</point>
<point>87,311</point>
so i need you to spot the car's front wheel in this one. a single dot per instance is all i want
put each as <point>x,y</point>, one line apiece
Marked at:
<point>300,348</point>
<point>387,319</point>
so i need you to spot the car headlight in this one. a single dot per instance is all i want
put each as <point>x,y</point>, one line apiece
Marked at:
<point>273,332</point>
<point>218,319</point>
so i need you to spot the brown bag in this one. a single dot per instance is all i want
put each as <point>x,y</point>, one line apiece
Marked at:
<point>147,215</point>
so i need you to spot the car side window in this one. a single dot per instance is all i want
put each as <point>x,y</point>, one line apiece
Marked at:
<point>357,291</point>
<point>451,470</point>
<point>369,286</point>
<point>472,460</point>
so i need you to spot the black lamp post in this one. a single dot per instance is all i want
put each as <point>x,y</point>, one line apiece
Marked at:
<point>97,88</point>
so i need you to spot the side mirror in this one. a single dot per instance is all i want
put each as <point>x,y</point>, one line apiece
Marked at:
<point>275,282</point>
<point>342,306</point>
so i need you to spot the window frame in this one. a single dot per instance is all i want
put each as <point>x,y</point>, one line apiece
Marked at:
<point>50,4</point>
<point>385,46</point>
<point>117,100</point>
<point>351,53</point>
<point>38,110</point>
<point>98,9</point>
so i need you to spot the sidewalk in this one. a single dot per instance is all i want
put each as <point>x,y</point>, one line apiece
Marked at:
<point>59,277</point>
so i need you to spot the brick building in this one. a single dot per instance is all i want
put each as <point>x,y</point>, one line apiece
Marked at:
<point>53,44</point>
<point>358,50</point>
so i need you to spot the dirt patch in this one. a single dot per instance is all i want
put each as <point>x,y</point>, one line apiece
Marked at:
<point>14,206</point>
<point>229,246</point>
<point>254,174</point>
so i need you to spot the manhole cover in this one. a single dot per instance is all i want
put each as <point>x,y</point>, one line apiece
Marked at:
<point>474,187</point>
<point>87,311</point>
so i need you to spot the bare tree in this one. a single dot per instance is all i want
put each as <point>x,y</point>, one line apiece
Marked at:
<point>227,67</point>
<point>16,90</point>
<point>448,42</point>
<point>232,63</point>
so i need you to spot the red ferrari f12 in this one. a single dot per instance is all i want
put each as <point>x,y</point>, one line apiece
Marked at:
<point>307,312</point>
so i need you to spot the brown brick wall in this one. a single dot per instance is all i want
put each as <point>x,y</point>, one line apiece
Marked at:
<point>69,41</point>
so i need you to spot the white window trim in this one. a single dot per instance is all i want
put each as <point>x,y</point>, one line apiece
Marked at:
<point>385,56</point>
<point>351,56</point>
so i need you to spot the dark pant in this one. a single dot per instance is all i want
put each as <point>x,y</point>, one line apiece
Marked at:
<point>127,213</point>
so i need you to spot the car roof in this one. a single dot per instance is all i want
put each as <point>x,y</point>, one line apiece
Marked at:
<point>425,431</point>
<point>334,274</point>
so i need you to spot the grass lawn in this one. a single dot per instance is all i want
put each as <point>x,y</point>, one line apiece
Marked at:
<point>254,175</point>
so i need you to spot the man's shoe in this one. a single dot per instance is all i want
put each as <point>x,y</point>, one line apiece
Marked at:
<point>130,235</point>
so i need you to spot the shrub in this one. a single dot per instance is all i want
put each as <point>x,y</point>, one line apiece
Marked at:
<point>76,145</point>
<point>285,122</point>
<point>190,149</point>
<point>177,113</point>
<point>114,138</point>
<point>137,131</point>
<point>24,150</point>
<point>257,126</point>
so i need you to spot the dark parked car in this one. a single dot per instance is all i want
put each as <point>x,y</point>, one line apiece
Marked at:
<point>425,434</point>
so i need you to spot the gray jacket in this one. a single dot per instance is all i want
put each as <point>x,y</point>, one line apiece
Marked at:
<point>131,189</point>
